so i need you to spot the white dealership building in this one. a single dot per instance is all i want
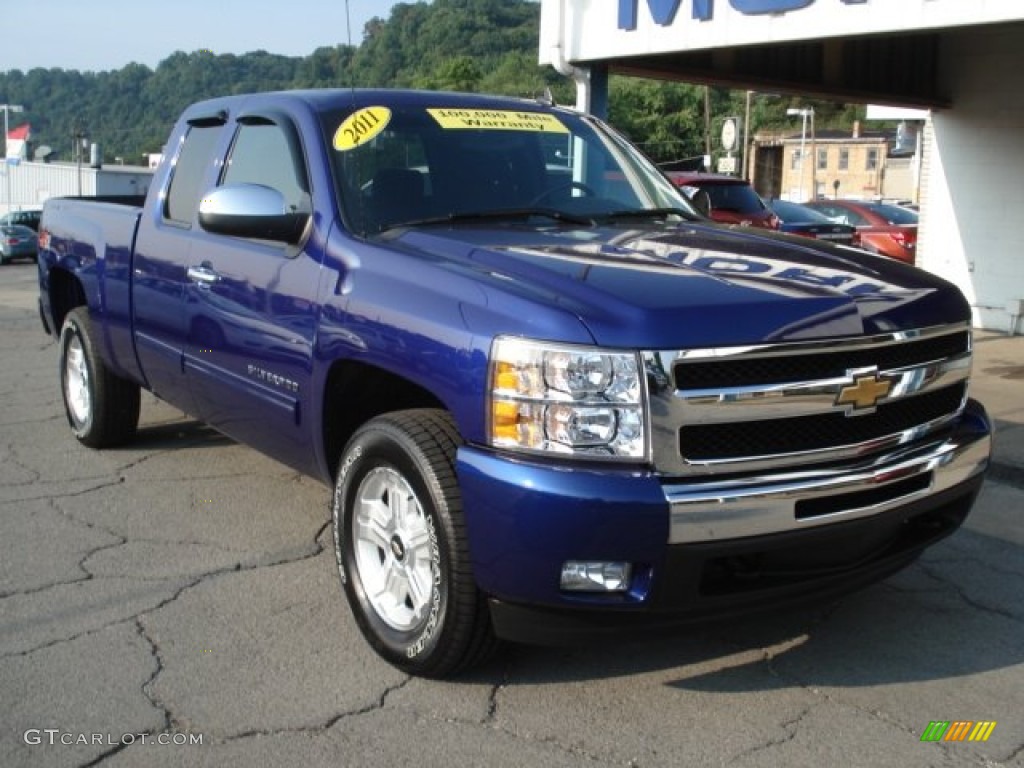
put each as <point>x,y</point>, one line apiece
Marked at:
<point>960,60</point>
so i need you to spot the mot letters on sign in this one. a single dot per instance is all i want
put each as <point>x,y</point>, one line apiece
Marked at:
<point>664,11</point>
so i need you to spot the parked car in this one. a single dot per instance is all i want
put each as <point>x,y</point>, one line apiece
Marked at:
<point>28,219</point>
<point>797,219</point>
<point>17,242</point>
<point>725,199</point>
<point>890,230</point>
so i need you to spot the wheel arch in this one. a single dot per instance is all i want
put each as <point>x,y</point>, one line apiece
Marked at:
<point>356,392</point>
<point>65,292</point>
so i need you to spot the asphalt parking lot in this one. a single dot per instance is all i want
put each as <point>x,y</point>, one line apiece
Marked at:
<point>181,591</point>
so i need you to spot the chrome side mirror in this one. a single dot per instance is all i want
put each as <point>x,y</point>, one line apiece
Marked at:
<point>251,210</point>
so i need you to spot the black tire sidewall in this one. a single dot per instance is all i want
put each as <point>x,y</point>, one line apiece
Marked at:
<point>387,446</point>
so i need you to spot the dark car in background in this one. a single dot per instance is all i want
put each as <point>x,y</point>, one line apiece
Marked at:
<point>28,219</point>
<point>17,242</point>
<point>797,219</point>
<point>890,230</point>
<point>725,199</point>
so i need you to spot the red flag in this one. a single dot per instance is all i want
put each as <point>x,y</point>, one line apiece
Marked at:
<point>16,139</point>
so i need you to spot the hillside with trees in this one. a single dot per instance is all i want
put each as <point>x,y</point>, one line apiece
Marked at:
<point>465,45</point>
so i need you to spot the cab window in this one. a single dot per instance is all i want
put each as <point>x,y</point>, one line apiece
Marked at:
<point>263,154</point>
<point>187,178</point>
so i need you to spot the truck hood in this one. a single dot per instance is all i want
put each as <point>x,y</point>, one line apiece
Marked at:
<point>696,284</point>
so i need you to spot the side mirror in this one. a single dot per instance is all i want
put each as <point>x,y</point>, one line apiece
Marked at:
<point>250,210</point>
<point>702,202</point>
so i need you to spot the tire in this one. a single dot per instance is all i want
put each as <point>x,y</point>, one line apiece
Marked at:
<point>102,408</point>
<point>400,542</point>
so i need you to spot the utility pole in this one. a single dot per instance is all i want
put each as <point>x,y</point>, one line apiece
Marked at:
<point>707,127</point>
<point>79,138</point>
<point>7,130</point>
<point>745,173</point>
<point>805,112</point>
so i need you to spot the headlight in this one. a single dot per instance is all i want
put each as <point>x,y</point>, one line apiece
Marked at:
<point>580,401</point>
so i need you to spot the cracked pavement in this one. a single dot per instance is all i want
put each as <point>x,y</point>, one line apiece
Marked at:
<point>184,586</point>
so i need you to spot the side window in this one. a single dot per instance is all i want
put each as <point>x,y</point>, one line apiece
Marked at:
<point>187,179</point>
<point>833,213</point>
<point>262,154</point>
<point>852,217</point>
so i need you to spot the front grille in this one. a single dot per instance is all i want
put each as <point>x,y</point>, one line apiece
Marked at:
<point>710,442</point>
<point>719,373</point>
<point>775,406</point>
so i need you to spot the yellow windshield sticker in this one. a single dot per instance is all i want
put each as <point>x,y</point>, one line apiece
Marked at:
<point>361,126</point>
<point>497,119</point>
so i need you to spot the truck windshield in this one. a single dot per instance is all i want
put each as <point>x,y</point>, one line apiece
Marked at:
<point>425,164</point>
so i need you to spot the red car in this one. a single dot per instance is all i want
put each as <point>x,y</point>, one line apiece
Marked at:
<point>890,230</point>
<point>725,199</point>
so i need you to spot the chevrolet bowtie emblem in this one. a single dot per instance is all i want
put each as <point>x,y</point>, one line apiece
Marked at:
<point>864,393</point>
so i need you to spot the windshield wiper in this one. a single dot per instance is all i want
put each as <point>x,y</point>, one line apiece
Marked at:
<point>647,213</point>
<point>501,213</point>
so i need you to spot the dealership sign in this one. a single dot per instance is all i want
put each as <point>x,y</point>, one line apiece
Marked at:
<point>580,31</point>
<point>664,11</point>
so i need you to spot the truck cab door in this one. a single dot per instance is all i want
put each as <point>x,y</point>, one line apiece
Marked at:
<point>167,232</point>
<point>250,309</point>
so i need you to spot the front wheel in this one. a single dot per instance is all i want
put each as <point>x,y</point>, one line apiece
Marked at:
<point>401,545</point>
<point>102,408</point>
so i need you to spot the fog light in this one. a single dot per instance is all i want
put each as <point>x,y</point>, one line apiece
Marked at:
<point>580,576</point>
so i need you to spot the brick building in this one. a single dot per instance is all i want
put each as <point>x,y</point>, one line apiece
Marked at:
<point>859,164</point>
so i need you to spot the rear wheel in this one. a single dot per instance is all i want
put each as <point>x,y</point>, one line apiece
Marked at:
<point>401,545</point>
<point>102,408</point>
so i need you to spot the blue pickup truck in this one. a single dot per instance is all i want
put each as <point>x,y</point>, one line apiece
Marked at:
<point>553,401</point>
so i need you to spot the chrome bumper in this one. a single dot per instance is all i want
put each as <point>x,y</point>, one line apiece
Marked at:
<point>798,500</point>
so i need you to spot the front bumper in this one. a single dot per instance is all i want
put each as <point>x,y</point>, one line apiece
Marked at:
<point>704,549</point>
<point>797,500</point>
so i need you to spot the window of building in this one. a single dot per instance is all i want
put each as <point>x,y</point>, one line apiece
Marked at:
<point>844,159</point>
<point>872,160</point>
<point>795,162</point>
<point>823,159</point>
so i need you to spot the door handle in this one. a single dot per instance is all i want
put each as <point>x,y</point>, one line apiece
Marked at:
<point>203,274</point>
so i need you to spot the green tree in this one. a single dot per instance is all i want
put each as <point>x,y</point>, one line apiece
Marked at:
<point>467,45</point>
<point>459,73</point>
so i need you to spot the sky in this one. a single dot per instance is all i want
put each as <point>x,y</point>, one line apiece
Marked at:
<point>108,34</point>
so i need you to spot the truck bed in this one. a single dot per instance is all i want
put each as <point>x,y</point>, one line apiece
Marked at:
<point>94,237</point>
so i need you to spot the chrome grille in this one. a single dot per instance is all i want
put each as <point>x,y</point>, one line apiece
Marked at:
<point>741,409</point>
<point>706,442</point>
<point>774,369</point>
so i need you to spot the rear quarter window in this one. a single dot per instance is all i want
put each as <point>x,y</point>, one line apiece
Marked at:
<point>895,215</point>
<point>186,185</point>
<point>738,198</point>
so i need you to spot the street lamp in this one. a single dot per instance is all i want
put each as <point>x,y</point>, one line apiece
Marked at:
<point>805,112</point>
<point>746,137</point>
<point>9,108</point>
